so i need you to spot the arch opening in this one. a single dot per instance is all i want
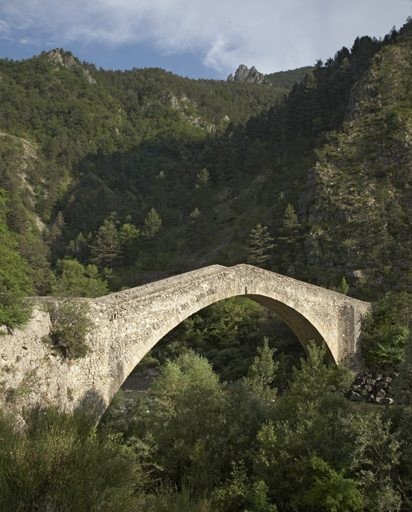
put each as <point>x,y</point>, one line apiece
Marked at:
<point>228,332</point>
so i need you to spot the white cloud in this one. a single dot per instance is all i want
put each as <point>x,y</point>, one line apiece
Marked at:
<point>270,34</point>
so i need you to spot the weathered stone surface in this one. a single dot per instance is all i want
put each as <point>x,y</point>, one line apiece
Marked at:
<point>375,384</point>
<point>384,400</point>
<point>381,385</point>
<point>356,397</point>
<point>244,74</point>
<point>129,323</point>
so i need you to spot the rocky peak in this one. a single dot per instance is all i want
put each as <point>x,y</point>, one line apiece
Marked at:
<point>66,59</point>
<point>244,74</point>
<point>61,57</point>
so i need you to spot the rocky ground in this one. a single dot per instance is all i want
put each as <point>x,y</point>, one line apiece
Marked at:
<point>374,385</point>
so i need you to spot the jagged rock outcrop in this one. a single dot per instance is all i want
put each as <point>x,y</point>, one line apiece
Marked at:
<point>244,74</point>
<point>66,60</point>
<point>182,106</point>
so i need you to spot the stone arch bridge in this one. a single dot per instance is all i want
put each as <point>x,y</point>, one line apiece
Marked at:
<point>129,323</point>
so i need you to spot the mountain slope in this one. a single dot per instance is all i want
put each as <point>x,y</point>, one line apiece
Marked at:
<point>211,160</point>
<point>360,211</point>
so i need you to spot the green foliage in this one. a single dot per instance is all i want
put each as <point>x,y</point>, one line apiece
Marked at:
<point>36,253</point>
<point>290,223</point>
<point>243,494</point>
<point>311,382</point>
<point>128,240</point>
<point>168,500</point>
<point>331,491</point>
<point>152,224</point>
<point>375,458</point>
<point>15,283</point>
<point>344,286</point>
<point>402,390</point>
<point>76,280</point>
<point>261,372</point>
<point>310,420</point>
<point>59,462</point>
<point>260,243</point>
<point>288,78</point>
<point>385,332</point>
<point>203,180</point>
<point>106,247</point>
<point>186,413</point>
<point>228,333</point>
<point>403,384</point>
<point>70,326</point>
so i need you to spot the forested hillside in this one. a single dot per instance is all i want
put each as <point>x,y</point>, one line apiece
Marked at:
<point>88,143</point>
<point>126,177</point>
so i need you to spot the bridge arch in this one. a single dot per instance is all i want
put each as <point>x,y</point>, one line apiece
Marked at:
<point>131,322</point>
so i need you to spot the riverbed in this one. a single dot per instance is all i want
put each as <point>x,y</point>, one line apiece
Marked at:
<point>137,384</point>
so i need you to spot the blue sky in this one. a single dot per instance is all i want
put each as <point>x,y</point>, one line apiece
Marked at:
<point>194,38</point>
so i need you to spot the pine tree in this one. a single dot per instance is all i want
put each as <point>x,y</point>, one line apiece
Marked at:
<point>262,371</point>
<point>152,224</point>
<point>128,239</point>
<point>106,247</point>
<point>290,223</point>
<point>260,242</point>
<point>79,247</point>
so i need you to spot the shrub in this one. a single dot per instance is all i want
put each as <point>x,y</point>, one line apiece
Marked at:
<point>70,325</point>
<point>59,462</point>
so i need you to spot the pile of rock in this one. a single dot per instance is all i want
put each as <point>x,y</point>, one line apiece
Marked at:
<point>373,385</point>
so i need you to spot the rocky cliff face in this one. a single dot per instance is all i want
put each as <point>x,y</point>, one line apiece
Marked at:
<point>244,74</point>
<point>359,196</point>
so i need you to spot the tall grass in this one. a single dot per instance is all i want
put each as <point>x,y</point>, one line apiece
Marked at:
<point>168,500</point>
<point>58,463</point>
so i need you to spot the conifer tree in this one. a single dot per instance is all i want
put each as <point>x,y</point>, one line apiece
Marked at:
<point>290,223</point>
<point>128,238</point>
<point>262,371</point>
<point>260,242</point>
<point>152,224</point>
<point>160,179</point>
<point>79,247</point>
<point>106,247</point>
